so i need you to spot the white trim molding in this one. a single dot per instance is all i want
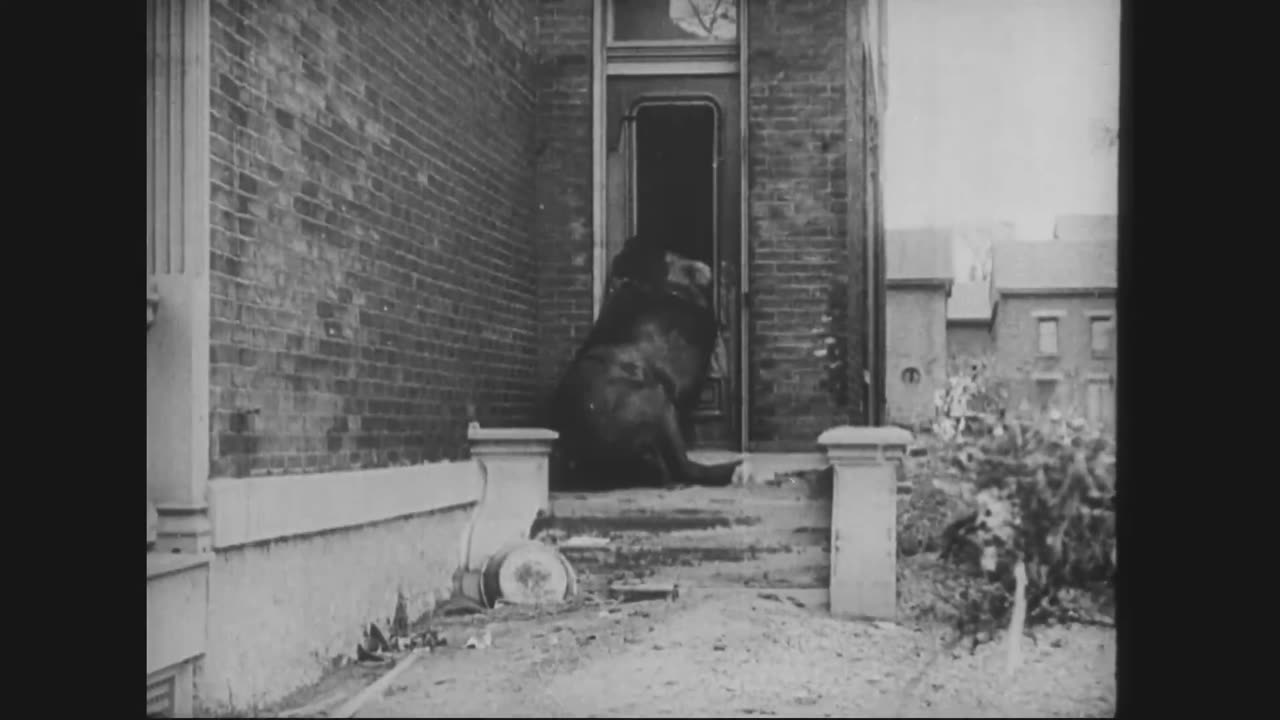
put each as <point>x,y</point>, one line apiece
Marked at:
<point>1048,314</point>
<point>744,229</point>
<point>599,179</point>
<point>1094,292</point>
<point>272,507</point>
<point>1048,376</point>
<point>178,270</point>
<point>651,67</point>
<point>1100,314</point>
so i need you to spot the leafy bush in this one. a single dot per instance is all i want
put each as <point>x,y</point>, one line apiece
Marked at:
<point>971,398</point>
<point>1036,489</point>
<point>1043,492</point>
<point>931,505</point>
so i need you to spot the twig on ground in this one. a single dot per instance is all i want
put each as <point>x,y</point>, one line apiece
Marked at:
<point>1013,651</point>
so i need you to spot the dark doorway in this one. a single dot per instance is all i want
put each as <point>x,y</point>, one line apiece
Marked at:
<point>673,176</point>
<point>675,156</point>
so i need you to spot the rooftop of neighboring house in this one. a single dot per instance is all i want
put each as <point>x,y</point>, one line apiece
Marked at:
<point>1054,266</point>
<point>1086,228</point>
<point>969,301</point>
<point>918,254</point>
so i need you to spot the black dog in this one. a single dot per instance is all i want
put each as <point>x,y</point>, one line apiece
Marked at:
<point>624,407</point>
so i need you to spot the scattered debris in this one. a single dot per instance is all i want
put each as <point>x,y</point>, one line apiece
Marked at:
<point>396,690</point>
<point>377,689</point>
<point>636,592</point>
<point>429,639</point>
<point>400,620</point>
<point>365,656</point>
<point>586,639</point>
<point>375,641</point>
<point>776,598</point>
<point>585,541</point>
<point>480,643</point>
<point>460,605</point>
<point>528,573</point>
<point>318,708</point>
<point>542,522</point>
<point>719,647</point>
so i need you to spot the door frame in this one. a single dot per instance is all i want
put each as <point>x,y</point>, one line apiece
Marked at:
<point>678,99</point>
<point>687,59</point>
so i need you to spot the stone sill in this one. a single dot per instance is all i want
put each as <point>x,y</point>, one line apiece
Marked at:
<point>161,564</point>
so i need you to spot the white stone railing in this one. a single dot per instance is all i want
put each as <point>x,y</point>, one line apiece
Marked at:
<point>864,518</point>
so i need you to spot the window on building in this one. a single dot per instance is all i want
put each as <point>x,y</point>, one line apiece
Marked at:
<point>697,21</point>
<point>1047,337</point>
<point>1101,332</point>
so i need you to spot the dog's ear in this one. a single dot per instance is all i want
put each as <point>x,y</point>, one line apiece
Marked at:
<point>639,260</point>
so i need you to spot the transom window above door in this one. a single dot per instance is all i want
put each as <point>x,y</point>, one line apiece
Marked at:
<point>672,22</point>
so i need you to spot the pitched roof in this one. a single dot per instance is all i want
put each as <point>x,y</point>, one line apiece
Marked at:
<point>969,301</point>
<point>1086,228</point>
<point>1054,265</point>
<point>918,254</point>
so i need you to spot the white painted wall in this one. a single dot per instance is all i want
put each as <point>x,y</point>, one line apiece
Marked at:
<point>996,109</point>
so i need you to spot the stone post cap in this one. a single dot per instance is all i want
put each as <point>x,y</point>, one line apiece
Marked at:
<point>510,441</point>
<point>850,437</point>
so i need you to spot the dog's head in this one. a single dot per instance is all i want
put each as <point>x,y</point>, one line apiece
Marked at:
<point>653,268</point>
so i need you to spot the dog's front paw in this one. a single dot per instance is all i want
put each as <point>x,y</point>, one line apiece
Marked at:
<point>743,475</point>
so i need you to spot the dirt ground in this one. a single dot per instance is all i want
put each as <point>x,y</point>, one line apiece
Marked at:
<point>730,652</point>
<point>750,633</point>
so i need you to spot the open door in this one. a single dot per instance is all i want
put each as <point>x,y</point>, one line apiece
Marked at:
<point>673,173</point>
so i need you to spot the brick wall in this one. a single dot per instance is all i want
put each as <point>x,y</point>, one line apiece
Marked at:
<point>372,273</point>
<point>801,382</point>
<point>563,222</point>
<point>1015,337</point>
